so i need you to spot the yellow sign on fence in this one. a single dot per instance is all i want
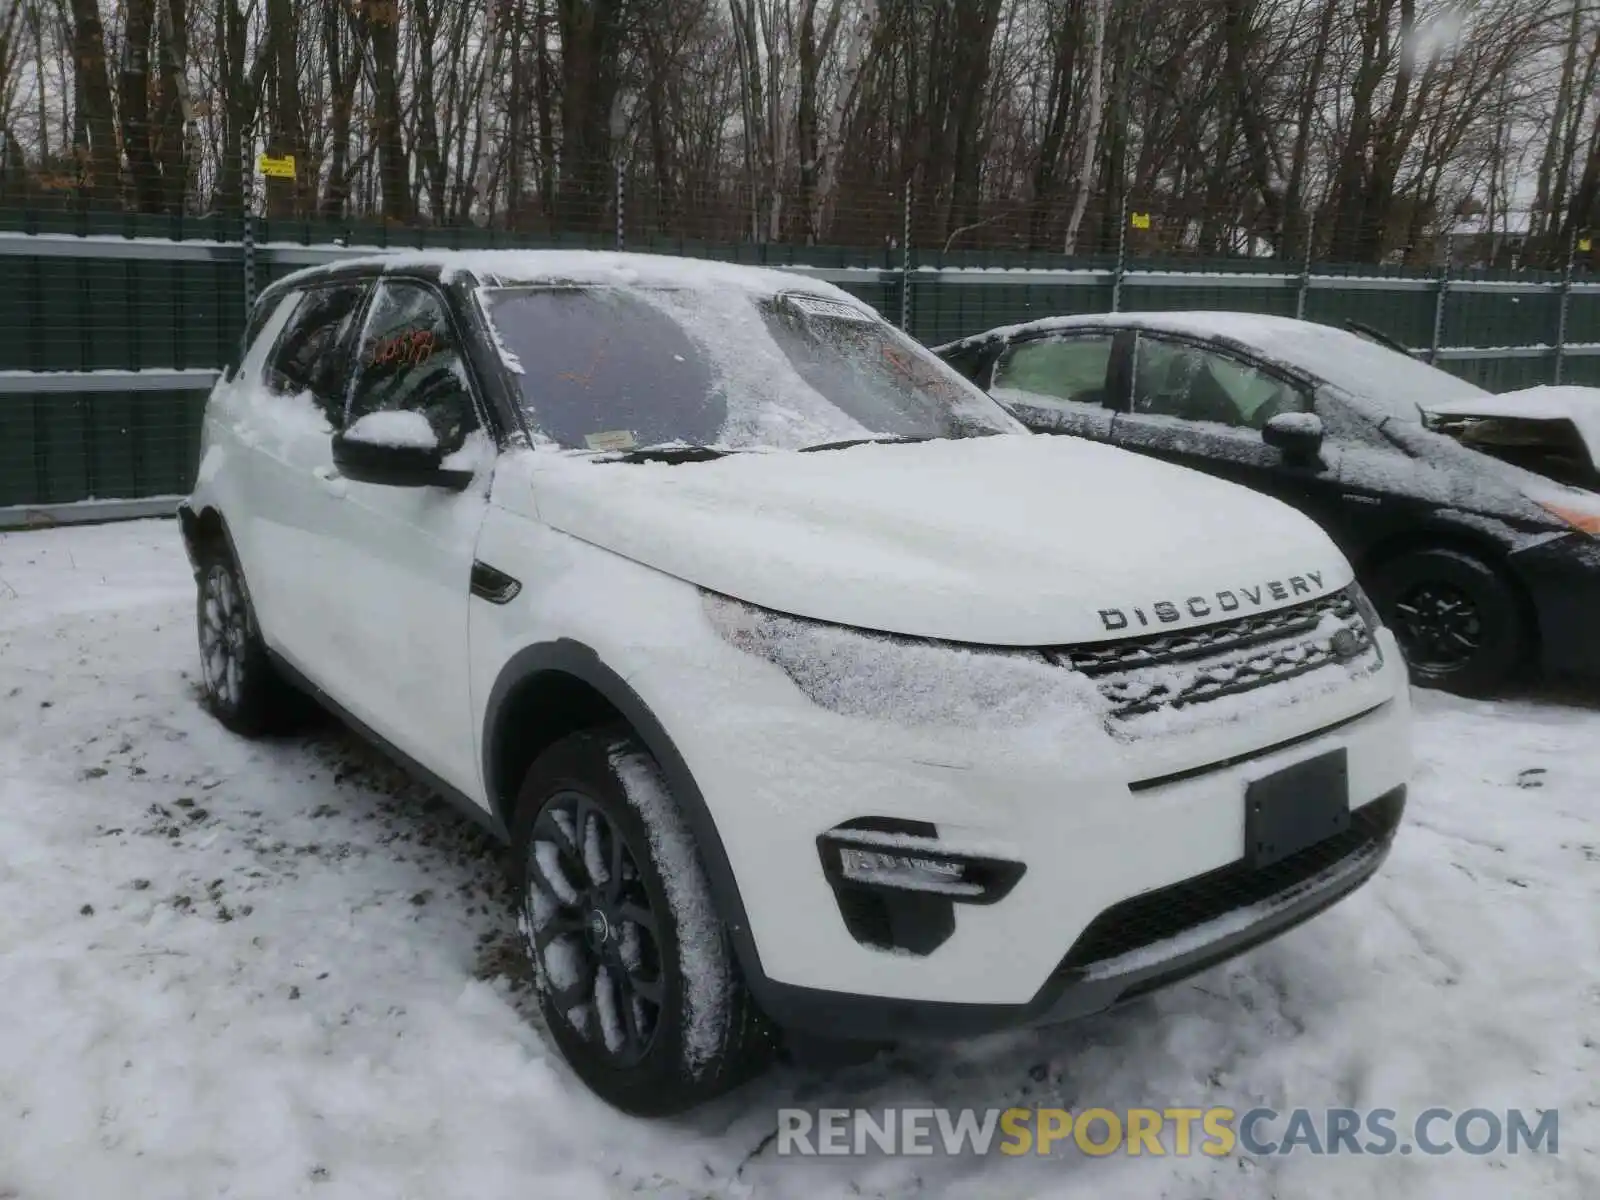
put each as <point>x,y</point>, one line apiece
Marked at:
<point>1585,245</point>
<point>1140,220</point>
<point>277,168</point>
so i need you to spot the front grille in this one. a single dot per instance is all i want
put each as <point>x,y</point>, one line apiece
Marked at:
<point>1167,912</point>
<point>1177,670</point>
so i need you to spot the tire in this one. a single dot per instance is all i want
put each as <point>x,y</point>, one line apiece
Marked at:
<point>242,688</point>
<point>1460,622</point>
<point>636,978</point>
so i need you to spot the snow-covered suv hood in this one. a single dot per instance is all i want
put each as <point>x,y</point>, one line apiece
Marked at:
<point>1007,540</point>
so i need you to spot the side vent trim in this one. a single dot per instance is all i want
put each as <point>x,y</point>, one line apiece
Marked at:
<point>493,585</point>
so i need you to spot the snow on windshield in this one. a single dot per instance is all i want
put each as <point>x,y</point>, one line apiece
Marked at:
<point>616,367</point>
<point>765,402</point>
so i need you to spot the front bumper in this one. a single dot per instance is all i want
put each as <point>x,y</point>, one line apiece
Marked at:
<point>1096,823</point>
<point>1213,918</point>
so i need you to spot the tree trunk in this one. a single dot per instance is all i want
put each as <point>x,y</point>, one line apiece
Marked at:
<point>1064,36</point>
<point>427,139</point>
<point>590,33</point>
<point>1297,225</point>
<point>101,168</point>
<point>285,127</point>
<point>856,38</point>
<point>383,19</point>
<point>179,145</point>
<point>133,88</point>
<point>1091,125</point>
<point>344,75</point>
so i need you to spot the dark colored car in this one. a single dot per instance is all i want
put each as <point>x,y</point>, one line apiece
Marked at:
<point>1479,545</point>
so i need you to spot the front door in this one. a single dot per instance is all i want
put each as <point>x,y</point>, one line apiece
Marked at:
<point>1202,408</point>
<point>401,596</point>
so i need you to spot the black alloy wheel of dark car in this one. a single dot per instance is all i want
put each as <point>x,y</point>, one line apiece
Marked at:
<point>1459,622</point>
<point>636,977</point>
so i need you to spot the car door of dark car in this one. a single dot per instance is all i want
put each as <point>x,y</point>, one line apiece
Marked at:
<point>1058,383</point>
<point>1205,408</point>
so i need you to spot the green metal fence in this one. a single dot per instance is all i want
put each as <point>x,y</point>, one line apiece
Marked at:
<point>112,327</point>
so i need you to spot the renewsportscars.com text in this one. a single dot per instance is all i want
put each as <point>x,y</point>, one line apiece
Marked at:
<point>1179,1132</point>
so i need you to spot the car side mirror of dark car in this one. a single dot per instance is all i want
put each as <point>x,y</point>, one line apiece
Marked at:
<point>395,449</point>
<point>1297,435</point>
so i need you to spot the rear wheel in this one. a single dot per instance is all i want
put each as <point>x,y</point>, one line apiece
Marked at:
<point>242,688</point>
<point>1459,621</point>
<point>636,979</point>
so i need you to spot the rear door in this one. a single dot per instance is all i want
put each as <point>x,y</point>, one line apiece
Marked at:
<point>282,414</point>
<point>1205,407</point>
<point>1059,383</point>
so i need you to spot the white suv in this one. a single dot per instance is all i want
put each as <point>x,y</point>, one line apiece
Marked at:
<point>810,691</point>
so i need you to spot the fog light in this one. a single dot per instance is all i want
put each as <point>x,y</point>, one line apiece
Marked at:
<point>898,885</point>
<point>905,871</point>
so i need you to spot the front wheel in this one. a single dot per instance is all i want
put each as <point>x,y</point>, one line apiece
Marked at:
<point>637,982</point>
<point>1459,621</point>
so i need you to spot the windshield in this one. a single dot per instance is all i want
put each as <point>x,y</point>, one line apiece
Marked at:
<point>615,368</point>
<point>1385,379</point>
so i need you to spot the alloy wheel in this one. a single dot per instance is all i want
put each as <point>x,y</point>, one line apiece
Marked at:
<point>224,635</point>
<point>596,935</point>
<point>1438,626</point>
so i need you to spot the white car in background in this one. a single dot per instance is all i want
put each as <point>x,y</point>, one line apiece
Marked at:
<point>810,691</point>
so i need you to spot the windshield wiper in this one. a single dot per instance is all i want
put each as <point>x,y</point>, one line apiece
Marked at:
<point>1377,335</point>
<point>666,454</point>
<point>889,440</point>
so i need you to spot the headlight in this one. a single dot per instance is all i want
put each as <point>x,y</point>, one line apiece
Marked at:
<point>1364,606</point>
<point>911,681</point>
<point>1577,513</point>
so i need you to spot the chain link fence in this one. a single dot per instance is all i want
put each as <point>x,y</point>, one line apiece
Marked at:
<point>113,324</point>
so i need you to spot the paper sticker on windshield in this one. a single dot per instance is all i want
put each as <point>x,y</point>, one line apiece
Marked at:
<point>816,306</point>
<point>611,439</point>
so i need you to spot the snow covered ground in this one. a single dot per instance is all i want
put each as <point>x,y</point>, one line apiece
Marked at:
<point>268,970</point>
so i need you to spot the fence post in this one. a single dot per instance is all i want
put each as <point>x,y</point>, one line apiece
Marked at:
<point>1305,268</point>
<point>1122,256</point>
<point>1566,300</point>
<point>905,263</point>
<point>247,239</point>
<point>1438,313</point>
<point>622,236</point>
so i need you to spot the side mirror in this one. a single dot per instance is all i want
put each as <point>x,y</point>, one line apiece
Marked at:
<point>396,449</point>
<point>1297,435</point>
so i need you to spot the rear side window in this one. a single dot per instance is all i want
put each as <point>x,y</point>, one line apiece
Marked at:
<point>1056,368</point>
<point>311,354</point>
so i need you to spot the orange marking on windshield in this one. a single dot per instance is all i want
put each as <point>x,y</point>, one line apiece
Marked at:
<point>587,377</point>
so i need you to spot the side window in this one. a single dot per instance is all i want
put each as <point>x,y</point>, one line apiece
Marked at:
<point>408,361</point>
<point>1171,379</point>
<point>1056,368</point>
<point>310,356</point>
